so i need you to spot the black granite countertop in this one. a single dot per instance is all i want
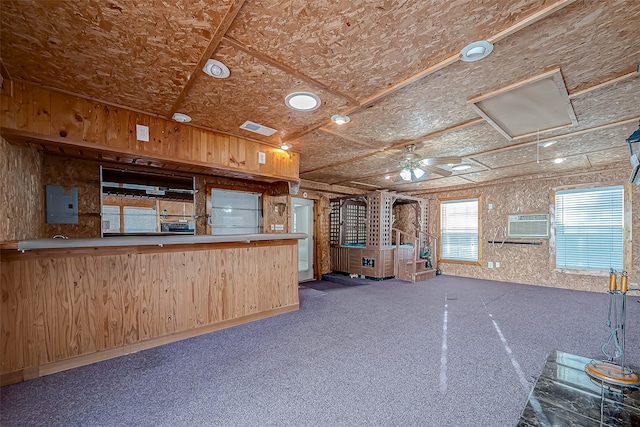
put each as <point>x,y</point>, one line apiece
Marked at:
<point>565,395</point>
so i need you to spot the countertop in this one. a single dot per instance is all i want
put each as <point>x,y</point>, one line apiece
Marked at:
<point>120,241</point>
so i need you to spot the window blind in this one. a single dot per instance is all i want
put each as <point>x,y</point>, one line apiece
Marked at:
<point>459,227</point>
<point>590,228</point>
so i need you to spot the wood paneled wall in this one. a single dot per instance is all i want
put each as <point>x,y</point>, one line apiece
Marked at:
<point>56,308</point>
<point>87,128</point>
<point>22,199</point>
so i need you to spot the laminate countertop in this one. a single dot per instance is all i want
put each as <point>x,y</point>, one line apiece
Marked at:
<point>123,241</point>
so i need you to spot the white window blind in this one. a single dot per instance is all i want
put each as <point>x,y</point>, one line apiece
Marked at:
<point>234,212</point>
<point>459,226</point>
<point>590,228</point>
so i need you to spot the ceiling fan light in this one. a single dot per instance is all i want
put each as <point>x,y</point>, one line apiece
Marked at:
<point>285,146</point>
<point>405,174</point>
<point>419,173</point>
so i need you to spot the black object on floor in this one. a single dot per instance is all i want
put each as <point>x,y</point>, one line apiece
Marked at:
<point>345,279</point>
<point>564,395</point>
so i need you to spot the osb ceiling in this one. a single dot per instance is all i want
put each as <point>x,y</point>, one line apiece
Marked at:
<point>393,66</point>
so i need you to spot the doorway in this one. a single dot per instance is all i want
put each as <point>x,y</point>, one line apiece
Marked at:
<point>302,217</point>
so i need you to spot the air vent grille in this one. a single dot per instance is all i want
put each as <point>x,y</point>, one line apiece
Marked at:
<point>535,225</point>
<point>257,128</point>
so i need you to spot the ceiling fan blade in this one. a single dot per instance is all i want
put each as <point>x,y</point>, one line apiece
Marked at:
<point>437,171</point>
<point>433,161</point>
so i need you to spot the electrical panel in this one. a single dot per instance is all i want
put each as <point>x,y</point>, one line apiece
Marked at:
<point>62,204</point>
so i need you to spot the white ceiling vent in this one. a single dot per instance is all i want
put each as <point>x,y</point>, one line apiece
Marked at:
<point>256,128</point>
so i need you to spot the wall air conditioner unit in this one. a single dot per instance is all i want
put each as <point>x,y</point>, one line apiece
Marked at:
<point>534,225</point>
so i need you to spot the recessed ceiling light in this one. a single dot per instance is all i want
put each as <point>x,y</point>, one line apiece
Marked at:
<point>340,120</point>
<point>302,101</point>
<point>181,118</point>
<point>285,146</point>
<point>559,160</point>
<point>460,167</point>
<point>476,51</point>
<point>546,144</point>
<point>216,69</point>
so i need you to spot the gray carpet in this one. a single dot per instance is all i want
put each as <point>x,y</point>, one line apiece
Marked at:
<point>375,355</point>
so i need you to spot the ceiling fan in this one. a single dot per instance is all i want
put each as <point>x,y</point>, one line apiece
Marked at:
<point>414,167</point>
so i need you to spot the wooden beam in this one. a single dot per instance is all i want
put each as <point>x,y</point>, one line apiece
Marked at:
<point>219,33</point>
<point>529,20</point>
<point>604,84</point>
<point>261,56</point>
<point>328,188</point>
<point>348,138</point>
<point>551,138</point>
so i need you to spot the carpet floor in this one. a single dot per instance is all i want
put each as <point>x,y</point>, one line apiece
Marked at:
<point>446,352</point>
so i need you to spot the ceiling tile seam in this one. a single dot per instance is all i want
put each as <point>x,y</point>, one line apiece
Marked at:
<point>515,179</point>
<point>615,80</point>
<point>532,19</point>
<point>355,159</point>
<point>557,137</point>
<point>263,57</point>
<point>348,138</point>
<point>217,36</point>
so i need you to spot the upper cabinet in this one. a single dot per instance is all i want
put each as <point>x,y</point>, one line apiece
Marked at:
<point>78,127</point>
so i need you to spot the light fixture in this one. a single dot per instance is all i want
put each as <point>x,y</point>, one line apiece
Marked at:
<point>546,144</point>
<point>285,146</point>
<point>181,118</point>
<point>419,173</point>
<point>559,160</point>
<point>476,51</point>
<point>216,69</point>
<point>302,101</point>
<point>460,167</point>
<point>405,174</point>
<point>340,120</point>
<point>387,177</point>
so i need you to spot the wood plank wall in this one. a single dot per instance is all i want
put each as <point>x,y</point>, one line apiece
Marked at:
<point>58,308</point>
<point>67,121</point>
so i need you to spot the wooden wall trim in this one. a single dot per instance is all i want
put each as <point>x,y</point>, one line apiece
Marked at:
<point>52,368</point>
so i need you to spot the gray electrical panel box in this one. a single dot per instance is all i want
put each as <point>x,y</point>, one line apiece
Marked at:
<point>62,204</point>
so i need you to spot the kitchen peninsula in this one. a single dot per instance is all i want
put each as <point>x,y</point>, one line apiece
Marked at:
<point>69,302</point>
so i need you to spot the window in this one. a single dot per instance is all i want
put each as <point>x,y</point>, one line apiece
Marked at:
<point>590,228</point>
<point>234,212</point>
<point>135,202</point>
<point>459,226</point>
